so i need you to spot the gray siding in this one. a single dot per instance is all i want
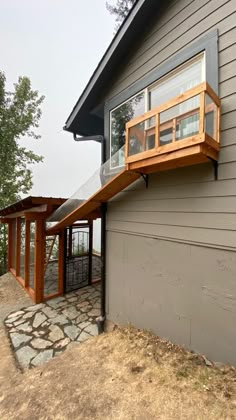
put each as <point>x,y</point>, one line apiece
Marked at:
<point>181,292</point>
<point>171,247</point>
<point>196,208</point>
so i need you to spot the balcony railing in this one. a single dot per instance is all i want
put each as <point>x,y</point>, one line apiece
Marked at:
<point>187,125</point>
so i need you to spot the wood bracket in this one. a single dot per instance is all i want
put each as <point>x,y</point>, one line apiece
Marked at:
<point>145,178</point>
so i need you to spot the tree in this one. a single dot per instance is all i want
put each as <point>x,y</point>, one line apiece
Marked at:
<point>20,113</point>
<point>120,10</point>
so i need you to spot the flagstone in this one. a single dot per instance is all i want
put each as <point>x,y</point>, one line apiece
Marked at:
<point>35,307</point>
<point>62,343</point>
<point>25,355</point>
<point>42,357</point>
<point>56,333</point>
<point>92,329</point>
<point>15,314</point>
<point>72,331</point>
<point>39,319</point>
<point>45,330</point>
<point>26,327</point>
<point>40,343</point>
<point>18,339</point>
<point>94,312</point>
<point>83,336</point>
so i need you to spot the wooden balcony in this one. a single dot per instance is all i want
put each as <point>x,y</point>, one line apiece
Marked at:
<point>182,132</point>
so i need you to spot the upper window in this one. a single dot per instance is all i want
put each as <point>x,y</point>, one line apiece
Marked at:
<point>174,83</point>
<point>119,117</point>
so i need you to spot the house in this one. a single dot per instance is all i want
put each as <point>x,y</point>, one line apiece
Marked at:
<point>162,101</point>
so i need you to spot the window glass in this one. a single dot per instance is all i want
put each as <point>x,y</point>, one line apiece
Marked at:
<point>177,82</point>
<point>119,117</point>
<point>180,121</point>
<point>142,137</point>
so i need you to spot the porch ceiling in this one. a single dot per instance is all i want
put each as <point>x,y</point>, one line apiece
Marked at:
<point>31,202</point>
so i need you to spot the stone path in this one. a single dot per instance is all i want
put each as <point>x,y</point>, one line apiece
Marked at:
<point>40,332</point>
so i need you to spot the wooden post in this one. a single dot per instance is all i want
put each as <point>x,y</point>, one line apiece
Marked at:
<point>157,131</point>
<point>10,245</point>
<point>39,260</point>
<point>27,252</point>
<point>202,113</point>
<point>18,240</point>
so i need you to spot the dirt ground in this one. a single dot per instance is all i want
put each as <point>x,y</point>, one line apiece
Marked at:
<point>124,375</point>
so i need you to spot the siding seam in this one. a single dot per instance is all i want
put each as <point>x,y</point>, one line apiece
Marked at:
<point>163,238</point>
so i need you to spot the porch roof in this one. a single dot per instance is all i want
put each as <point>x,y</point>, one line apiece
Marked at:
<point>31,202</point>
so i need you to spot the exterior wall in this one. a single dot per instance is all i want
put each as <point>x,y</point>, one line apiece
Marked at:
<point>181,292</point>
<point>171,258</point>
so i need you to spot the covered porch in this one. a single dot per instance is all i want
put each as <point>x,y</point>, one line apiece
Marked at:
<point>48,266</point>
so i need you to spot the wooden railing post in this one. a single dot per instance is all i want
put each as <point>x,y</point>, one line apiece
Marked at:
<point>157,131</point>
<point>9,244</point>
<point>18,242</point>
<point>202,113</point>
<point>39,261</point>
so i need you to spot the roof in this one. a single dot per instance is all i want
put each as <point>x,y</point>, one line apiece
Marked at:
<point>30,202</point>
<point>81,120</point>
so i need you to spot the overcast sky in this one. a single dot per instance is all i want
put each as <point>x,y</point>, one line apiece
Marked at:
<point>57,44</point>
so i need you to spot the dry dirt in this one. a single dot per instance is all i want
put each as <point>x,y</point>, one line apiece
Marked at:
<point>127,374</point>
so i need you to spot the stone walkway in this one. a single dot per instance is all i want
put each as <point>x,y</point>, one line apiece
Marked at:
<point>40,332</point>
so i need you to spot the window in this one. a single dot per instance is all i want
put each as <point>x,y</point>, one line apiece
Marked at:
<point>119,117</point>
<point>174,83</point>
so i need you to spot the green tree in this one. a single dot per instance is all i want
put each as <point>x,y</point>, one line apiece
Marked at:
<point>20,112</point>
<point>120,9</point>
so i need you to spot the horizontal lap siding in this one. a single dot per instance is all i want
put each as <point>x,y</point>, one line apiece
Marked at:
<point>185,204</point>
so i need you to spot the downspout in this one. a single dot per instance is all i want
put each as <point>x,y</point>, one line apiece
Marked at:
<point>101,319</point>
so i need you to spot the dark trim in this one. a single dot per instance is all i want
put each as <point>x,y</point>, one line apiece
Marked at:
<point>90,252</point>
<point>140,13</point>
<point>207,43</point>
<point>97,138</point>
<point>65,258</point>
<point>103,258</point>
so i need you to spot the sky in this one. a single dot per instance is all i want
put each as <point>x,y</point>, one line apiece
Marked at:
<point>58,45</point>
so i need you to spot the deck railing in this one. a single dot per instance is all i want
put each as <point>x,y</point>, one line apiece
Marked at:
<point>188,119</point>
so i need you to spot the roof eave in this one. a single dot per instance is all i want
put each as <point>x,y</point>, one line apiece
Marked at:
<point>119,41</point>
